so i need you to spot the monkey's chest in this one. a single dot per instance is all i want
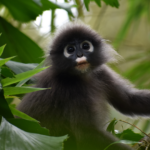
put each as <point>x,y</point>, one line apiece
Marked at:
<point>75,106</point>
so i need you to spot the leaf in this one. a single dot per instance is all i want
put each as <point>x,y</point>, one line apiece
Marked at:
<point>16,139</point>
<point>3,61</point>
<point>29,126</point>
<point>98,2</point>
<point>6,72</point>
<point>21,76</point>
<point>135,11</point>
<point>86,2</point>
<point>20,90</point>
<point>47,4</point>
<point>28,10</point>
<point>24,81</point>
<point>18,44</point>
<point>113,3</point>
<point>128,134</point>
<point>2,49</point>
<point>122,141</point>
<point>18,67</point>
<point>4,108</point>
<point>111,126</point>
<point>21,114</point>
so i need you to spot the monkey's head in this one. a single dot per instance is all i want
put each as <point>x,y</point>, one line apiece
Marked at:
<point>77,48</point>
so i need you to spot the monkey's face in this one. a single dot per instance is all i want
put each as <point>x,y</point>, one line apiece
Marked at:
<point>77,49</point>
<point>79,52</point>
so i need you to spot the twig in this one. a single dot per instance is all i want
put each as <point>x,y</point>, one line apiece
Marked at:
<point>135,127</point>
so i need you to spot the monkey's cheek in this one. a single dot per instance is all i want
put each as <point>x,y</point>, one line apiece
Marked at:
<point>83,67</point>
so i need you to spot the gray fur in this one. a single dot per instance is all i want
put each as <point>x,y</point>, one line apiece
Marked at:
<point>77,102</point>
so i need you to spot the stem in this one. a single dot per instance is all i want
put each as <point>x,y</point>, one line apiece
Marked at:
<point>53,21</point>
<point>135,127</point>
<point>79,8</point>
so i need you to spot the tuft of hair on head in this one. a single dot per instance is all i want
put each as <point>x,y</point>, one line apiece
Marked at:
<point>108,51</point>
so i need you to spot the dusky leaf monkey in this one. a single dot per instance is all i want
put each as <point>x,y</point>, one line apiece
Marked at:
<point>81,87</point>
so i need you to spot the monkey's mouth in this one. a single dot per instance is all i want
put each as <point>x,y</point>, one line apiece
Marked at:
<point>82,66</point>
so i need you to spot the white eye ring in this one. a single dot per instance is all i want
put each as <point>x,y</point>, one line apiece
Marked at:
<point>91,49</point>
<point>66,54</point>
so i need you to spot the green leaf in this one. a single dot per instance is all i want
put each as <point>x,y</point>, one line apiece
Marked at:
<point>29,126</point>
<point>18,67</point>
<point>111,126</point>
<point>3,61</point>
<point>113,3</point>
<point>6,72</point>
<point>20,90</point>
<point>18,44</point>
<point>47,4</point>
<point>98,2</point>
<point>129,135</point>
<point>28,10</point>
<point>86,2</point>
<point>21,114</point>
<point>136,9</point>
<point>2,49</point>
<point>17,139</point>
<point>24,81</point>
<point>21,76</point>
<point>4,108</point>
<point>122,141</point>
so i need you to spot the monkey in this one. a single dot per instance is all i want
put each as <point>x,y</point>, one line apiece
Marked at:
<point>82,86</point>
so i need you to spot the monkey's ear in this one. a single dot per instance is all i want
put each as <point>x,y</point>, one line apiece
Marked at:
<point>109,53</point>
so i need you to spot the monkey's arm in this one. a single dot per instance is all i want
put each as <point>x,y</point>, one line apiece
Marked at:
<point>123,96</point>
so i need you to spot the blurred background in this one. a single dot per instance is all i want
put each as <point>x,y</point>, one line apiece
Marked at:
<point>27,28</point>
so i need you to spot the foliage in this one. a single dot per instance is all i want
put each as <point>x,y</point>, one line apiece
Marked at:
<point>18,44</point>
<point>113,3</point>
<point>15,76</point>
<point>26,129</point>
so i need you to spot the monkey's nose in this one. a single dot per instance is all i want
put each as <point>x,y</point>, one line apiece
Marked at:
<point>79,55</point>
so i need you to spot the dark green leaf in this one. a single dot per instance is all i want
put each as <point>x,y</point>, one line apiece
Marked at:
<point>18,44</point>
<point>51,5</point>
<point>113,3</point>
<point>4,108</point>
<point>16,139</point>
<point>6,72</point>
<point>27,10</point>
<point>9,100</point>
<point>129,135</point>
<point>86,2</point>
<point>111,126</point>
<point>23,10</point>
<point>98,2</point>
<point>29,126</point>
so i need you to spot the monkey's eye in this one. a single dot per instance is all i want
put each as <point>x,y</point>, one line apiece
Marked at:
<point>87,45</point>
<point>69,50</point>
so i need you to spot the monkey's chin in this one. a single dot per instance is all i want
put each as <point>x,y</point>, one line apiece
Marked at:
<point>83,68</point>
